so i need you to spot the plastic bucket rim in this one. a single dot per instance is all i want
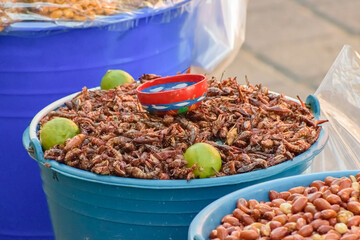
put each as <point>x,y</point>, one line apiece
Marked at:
<point>116,18</point>
<point>206,211</point>
<point>168,184</point>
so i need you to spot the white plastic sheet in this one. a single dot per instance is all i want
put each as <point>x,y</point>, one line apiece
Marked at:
<point>339,96</point>
<point>220,32</point>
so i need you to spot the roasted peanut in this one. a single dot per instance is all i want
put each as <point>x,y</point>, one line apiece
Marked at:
<point>355,194</point>
<point>343,216</point>
<point>237,213</point>
<point>317,215</point>
<point>255,214</point>
<point>313,196</point>
<point>331,236</point>
<point>281,218</point>
<point>295,217</point>
<point>274,224</point>
<point>286,207</point>
<point>305,231</point>
<point>328,213</point>
<point>277,202</point>
<point>321,204</point>
<point>353,221</point>
<point>355,230</point>
<point>213,234</point>
<point>356,186</point>
<point>242,205</point>
<point>299,204</point>
<point>335,207</point>
<point>310,190</point>
<point>294,196</point>
<point>341,228</point>
<point>353,179</point>
<point>317,236</point>
<point>357,176</point>
<point>278,233</point>
<point>324,189</point>
<point>345,183</point>
<point>269,215</point>
<point>298,237</point>
<point>308,217</point>
<point>246,219</point>
<point>329,180</point>
<point>300,223</point>
<point>227,225</point>
<point>252,203</point>
<point>249,235</point>
<point>277,211</point>
<point>291,226</point>
<point>349,237</point>
<point>324,229</point>
<point>332,221</point>
<point>263,208</point>
<point>257,225</point>
<point>318,184</point>
<point>265,230</point>
<point>221,232</point>
<point>333,199</point>
<point>354,207</point>
<point>231,220</point>
<point>344,194</point>
<point>310,208</point>
<point>232,229</point>
<point>231,237</point>
<point>343,205</point>
<point>326,193</point>
<point>299,190</point>
<point>236,234</point>
<point>319,222</point>
<point>273,195</point>
<point>284,195</point>
<point>290,237</point>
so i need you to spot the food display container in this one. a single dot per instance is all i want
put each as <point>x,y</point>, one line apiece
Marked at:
<point>84,205</point>
<point>41,62</point>
<point>210,217</point>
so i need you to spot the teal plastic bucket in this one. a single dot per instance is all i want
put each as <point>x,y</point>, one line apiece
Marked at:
<point>84,205</point>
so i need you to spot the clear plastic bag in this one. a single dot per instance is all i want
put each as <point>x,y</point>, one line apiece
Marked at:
<point>220,34</point>
<point>77,13</point>
<point>218,25</point>
<point>339,96</point>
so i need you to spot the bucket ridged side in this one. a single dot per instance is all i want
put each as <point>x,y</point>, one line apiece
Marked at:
<point>101,211</point>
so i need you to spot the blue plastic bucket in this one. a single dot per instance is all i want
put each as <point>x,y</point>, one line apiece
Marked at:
<point>40,63</point>
<point>210,217</point>
<point>84,205</point>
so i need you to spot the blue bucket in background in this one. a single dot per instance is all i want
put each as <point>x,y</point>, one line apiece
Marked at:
<point>42,62</point>
<point>210,217</point>
<point>84,205</point>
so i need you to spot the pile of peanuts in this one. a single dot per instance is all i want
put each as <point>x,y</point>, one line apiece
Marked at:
<point>326,210</point>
